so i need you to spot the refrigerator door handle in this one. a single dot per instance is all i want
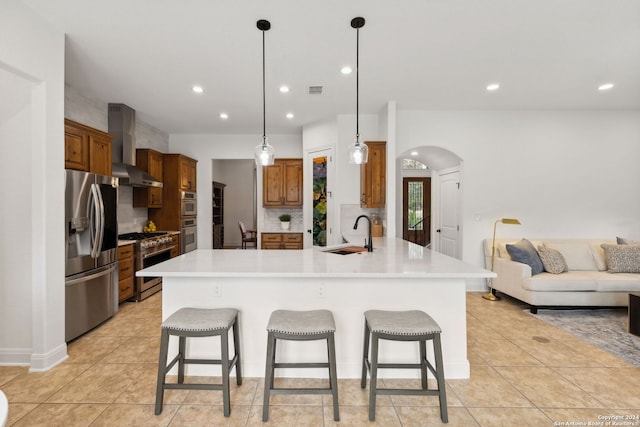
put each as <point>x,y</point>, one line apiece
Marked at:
<point>102,220</point>
<point>95,223</point>
<point>102,272</point>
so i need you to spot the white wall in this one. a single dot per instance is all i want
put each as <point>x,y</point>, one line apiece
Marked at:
<point>562,173</point>
<point>205,148</point>
<point>33,50</point>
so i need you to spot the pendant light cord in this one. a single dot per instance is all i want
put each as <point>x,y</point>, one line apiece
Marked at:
<point>264,101</point>
<point>357,85</point>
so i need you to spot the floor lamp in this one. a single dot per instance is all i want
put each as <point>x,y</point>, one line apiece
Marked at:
<point>490,296</point>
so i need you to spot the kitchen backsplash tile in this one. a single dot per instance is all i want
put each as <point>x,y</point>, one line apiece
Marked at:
<point>130,219</point>
<point>272,223</point>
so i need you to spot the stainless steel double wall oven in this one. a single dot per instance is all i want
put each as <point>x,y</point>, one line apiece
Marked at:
<point>188,221</point>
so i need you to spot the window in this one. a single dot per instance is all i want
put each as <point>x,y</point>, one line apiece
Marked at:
<point>411,164</point>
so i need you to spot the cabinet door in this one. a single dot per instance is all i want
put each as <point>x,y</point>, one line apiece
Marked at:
<point>272,184</point>
<point>151,162</point>
<point>373,176</point>
<point>292,241</point>
<point>155,170</point>
<point>76,149</point>
<point>175,242</point>
<point>100,154</point>
<point>187,174</point>
<point>292,182</point>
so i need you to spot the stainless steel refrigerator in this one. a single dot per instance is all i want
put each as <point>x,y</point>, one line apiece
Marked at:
<point>91,227</point>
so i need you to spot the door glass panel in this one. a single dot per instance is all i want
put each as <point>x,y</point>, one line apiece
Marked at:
<point>320,201</point>
<point>416,205</point>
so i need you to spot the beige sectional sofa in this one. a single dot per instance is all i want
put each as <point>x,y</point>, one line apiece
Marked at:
<point>588,281</point>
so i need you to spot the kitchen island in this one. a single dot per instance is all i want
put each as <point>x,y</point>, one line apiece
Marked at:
<point>397,275</point>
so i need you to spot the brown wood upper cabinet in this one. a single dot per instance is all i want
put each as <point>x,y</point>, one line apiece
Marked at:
<point>187,174</point>
<point>86,149</point>
<point>151,162</point>
<point>373,176</point>
<point>282,183</point>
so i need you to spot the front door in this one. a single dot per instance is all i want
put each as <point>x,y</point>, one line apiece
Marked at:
<point>416,210</point>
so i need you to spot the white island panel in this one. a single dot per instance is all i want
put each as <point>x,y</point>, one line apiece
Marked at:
<point>396,276</point>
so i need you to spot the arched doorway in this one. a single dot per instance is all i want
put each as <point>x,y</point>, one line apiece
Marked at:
<point>429,198</point>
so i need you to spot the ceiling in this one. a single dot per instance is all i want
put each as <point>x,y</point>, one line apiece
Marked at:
<point>423,54</point>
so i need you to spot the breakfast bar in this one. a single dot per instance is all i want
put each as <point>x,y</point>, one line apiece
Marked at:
<point>397,275</point>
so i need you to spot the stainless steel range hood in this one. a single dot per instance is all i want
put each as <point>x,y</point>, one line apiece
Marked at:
<point>122,125</point>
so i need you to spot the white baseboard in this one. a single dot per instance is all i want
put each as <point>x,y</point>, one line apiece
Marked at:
<point>15,357</point>
<point>46,361</point>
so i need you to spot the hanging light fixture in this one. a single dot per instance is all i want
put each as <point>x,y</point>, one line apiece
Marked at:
<point>358,151</point>
<point>264,151</point>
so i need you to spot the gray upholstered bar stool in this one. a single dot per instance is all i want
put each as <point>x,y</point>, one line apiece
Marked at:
<point>411,325</point>
<point>301,326</point>
<point>199,322</point>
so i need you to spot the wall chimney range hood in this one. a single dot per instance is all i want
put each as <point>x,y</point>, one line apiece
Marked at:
<point>122,125</point>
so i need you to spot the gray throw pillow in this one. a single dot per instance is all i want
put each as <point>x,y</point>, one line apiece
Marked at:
<point>526,253</point>
<point>623,241</point>
<point>552,260</point>
<point>622,258</point>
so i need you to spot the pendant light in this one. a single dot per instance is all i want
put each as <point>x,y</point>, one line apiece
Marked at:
<point>358,151</point>
<point>264,151</point>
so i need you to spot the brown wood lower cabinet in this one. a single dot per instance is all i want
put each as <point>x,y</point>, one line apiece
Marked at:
<point>281,241</point>
<point>175,242</point>
<point>125,272</point>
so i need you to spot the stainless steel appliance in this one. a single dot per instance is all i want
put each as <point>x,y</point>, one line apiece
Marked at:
<point>91,227</point>
<point>150,249</point>
<point>188,235</point>
<point>122,125</point>
<point>188,204</point>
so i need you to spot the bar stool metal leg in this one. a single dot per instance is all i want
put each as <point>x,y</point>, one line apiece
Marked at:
<point>403,326</point>
<point>192,323</point>
<point>300,326</point>
<point>442,395</point>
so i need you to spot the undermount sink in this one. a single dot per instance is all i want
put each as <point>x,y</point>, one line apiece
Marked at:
<point>346,250</point>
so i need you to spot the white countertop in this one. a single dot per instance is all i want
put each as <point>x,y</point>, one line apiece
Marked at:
<point>391,258</point>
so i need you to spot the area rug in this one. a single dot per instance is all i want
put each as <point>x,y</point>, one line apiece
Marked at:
<point>604,328</point>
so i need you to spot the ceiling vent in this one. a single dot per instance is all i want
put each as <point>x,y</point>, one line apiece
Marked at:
<point>315,90</point>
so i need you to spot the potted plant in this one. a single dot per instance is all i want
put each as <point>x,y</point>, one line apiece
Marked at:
<point>285,221</point>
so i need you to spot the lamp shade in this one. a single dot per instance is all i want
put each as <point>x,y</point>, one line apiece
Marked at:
<point>358,153</point>
<point>264,154</point>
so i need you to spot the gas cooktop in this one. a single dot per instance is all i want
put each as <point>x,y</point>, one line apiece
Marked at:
<point>140,236</point>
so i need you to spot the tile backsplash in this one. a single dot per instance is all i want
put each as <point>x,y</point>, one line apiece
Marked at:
<point>272,223</point>
<point>130,219</point>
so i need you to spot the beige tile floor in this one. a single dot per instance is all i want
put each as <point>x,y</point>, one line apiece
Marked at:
<point>524,372</point>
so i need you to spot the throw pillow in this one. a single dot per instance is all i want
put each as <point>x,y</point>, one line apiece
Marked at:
<point>623,241</point>
<point>622,258</point>
<point>524,252</point>
<point>552,260</point>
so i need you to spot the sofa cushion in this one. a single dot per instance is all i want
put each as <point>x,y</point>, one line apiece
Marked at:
<point>552,260</point>
<point>567,282</point>
<point>621,282</point>
<point>598,255</point>
<point>577,254</point>
<point>524,252</point>
<point>622,258</point>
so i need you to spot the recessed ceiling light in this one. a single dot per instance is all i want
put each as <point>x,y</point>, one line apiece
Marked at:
<point>414,153</point>
<point>493,86</point>
<point>606,86</point>
<point>224,116</point>
<point>346,70</point>
<point>284,89</point>
<point>289,115</point>
<point>197,89</point>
